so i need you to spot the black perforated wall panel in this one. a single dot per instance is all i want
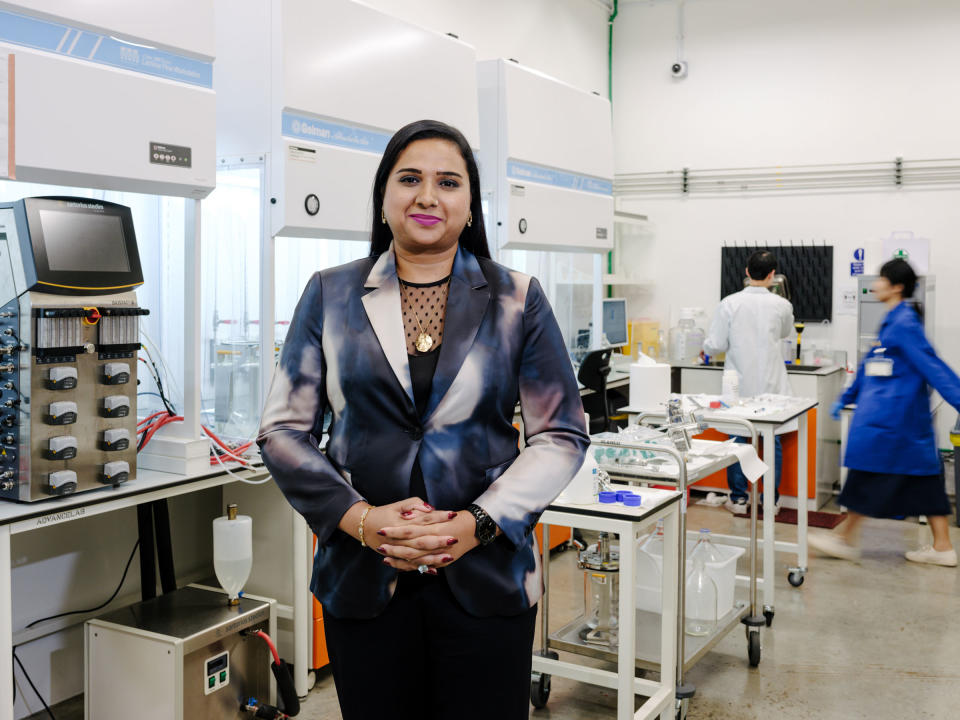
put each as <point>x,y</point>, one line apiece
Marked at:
<point>809,271</point>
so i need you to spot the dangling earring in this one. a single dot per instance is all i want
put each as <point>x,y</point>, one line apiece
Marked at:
<point>470,219</point>
<point>383,218</point>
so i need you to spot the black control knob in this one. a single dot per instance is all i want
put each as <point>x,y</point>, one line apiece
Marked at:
<point>8,440</point>
<point>8,421</point>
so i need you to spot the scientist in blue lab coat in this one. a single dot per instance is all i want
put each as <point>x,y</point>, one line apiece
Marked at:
<point>892,456</point>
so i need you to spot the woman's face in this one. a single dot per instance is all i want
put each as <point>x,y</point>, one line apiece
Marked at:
<point>883,290</point>
<point>426,199</point>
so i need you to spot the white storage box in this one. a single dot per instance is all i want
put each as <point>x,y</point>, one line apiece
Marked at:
<point>724,574</point>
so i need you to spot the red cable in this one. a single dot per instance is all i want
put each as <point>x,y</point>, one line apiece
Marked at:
<point>159,424</point>
<point>149,418</point>
<point>269,642</point>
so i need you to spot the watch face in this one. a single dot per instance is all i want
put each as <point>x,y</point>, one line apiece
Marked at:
<point>311,204</point>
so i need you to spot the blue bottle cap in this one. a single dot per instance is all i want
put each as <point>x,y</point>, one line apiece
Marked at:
<point>621,494</point>
<point>608,496</point>
<point>633,500</point>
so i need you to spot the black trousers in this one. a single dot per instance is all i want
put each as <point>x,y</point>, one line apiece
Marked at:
<point>425,658</point>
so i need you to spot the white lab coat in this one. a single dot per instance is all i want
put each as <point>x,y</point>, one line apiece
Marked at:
<point>749,327</point>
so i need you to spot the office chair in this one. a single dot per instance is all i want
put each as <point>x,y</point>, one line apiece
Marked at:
<point>593,375</point>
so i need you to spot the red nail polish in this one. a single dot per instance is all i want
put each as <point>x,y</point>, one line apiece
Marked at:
<point>452,541</point>
<point>380,549</point>
<point>381,532</point>
<point>431,571</point>
<point>451,516</point>
<point>446,559</point>
<point>428,506</point>
<point>408,513</point>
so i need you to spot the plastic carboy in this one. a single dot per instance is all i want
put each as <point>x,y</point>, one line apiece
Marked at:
<point>647,569</point>
<point>232,551</point>
<point>601,589</point>
<point>705,549</point>
<point>686,339</point>
<point>701,600</point>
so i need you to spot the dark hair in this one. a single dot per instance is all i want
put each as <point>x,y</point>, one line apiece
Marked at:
<point>899,272</point>
<point>761,264</point>
<point>473,238</point>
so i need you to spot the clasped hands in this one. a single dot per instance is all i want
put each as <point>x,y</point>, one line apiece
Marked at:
<point>411,533</point>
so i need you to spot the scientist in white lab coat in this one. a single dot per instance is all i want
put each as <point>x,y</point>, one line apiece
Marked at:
<point>750,326</point>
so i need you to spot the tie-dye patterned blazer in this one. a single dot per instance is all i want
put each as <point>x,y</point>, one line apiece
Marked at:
<point>346,351</point>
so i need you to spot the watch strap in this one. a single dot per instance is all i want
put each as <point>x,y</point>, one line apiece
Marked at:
<point>486,531</point>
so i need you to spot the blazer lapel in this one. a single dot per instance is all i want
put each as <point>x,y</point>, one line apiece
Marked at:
<point>382,306</point>
<point>467,302</point>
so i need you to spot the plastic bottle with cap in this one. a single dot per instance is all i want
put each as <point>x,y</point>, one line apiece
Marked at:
<point>232,551</point>
<point>701,601</point>
<point>705,548</point>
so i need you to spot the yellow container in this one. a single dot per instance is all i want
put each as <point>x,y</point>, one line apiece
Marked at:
<point>644,337</point>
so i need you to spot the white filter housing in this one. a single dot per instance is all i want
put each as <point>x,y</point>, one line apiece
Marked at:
<point>113,95</point>
<point>546,161</point>
<point>345,78</point>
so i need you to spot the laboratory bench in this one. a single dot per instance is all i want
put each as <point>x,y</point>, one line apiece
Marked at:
<point>148,486</point>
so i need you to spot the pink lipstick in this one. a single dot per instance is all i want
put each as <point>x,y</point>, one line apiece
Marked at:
<point>427,220</point>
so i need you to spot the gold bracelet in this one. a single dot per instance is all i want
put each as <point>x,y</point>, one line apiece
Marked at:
<point>362,518</point>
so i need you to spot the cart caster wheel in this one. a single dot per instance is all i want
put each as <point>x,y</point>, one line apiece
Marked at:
<point>795,579</point>
<point>768,614</point>
<point>311,679</point>
<point>753,648</point>
<point>539,689</point>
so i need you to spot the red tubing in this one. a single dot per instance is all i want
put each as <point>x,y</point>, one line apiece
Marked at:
<point>273,648</point>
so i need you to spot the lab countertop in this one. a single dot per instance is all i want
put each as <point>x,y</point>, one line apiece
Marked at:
<point>791,369</point>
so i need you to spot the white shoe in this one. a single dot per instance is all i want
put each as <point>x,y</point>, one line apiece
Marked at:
<point>776,508</point>
<point>737,508</point>
<point>926,554</point>
<point>834,546</point>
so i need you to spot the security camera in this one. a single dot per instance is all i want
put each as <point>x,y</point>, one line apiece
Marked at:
<point>679,69</point>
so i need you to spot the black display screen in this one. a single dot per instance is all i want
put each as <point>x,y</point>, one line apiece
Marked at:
<point>77,242</point>
<point>78,246</point>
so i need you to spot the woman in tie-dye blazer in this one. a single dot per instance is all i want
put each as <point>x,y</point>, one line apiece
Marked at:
<point>422,503</point>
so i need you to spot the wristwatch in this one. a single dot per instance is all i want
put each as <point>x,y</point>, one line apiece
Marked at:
<point>486,531</point>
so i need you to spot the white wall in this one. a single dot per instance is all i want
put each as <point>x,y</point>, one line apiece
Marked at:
<point>785,82</point>
<point>779,82</point>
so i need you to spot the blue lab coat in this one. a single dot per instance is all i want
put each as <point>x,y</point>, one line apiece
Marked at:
<point>892,428</point>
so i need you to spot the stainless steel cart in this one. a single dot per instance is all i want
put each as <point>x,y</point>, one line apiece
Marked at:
<point>645,630</point>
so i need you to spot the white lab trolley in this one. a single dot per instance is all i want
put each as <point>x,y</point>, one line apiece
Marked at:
<point>767,424</point>
<point>638,645</point>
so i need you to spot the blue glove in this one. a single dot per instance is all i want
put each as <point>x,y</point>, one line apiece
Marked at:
<point>835,409</point>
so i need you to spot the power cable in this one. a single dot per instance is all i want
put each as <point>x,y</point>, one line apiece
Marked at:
<point>34,687</point>
<point>98,607</point>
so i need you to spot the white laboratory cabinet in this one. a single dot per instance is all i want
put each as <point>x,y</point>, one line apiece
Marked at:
<point>112,95</point>
<point>343,77</point>
<point>546,161</point>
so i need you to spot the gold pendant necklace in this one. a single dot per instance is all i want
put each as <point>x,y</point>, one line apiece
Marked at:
<point>424,339</point>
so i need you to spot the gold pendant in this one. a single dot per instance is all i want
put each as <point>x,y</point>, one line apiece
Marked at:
<point>424,342</point>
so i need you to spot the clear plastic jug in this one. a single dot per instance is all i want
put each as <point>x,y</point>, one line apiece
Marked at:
<point>647,570</point>
<point>701,601</point>
<point>686,339</point>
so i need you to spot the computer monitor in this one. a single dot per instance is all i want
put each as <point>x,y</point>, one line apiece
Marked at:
<point>614,322</point>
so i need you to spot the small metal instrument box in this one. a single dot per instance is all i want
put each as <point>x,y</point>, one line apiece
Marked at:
<point>179,656</point>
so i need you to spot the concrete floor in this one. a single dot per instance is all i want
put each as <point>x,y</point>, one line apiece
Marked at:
<point>876,640</point>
